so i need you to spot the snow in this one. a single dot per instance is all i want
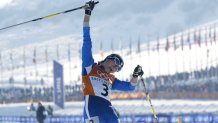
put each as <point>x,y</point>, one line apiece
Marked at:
<point>123,106</point>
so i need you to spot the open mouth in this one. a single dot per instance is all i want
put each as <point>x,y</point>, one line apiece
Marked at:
<point>111,69</point>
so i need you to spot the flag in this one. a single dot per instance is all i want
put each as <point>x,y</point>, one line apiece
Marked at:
<point>210,36</point>
<point>80,51</point>
<point>167,44</point>
<point>174,42</point>
<point>101,50</point>
<point>189,41</point>
<point>46,55</point>
<point>138,46</point>
<point>214,34</point>
<point>158,43</point>
<point>34,56</point>
<point>195,37</point>
<point>24,57</point>
<point>182,42</point>
<point>101,46</point>
<point>121,46</point>
<point>11,56</point>
<point>130,47</point>
<point>1,58</point>
<point>69,53</point>
<point>148,47</point>
<point>205,36</point>
<point>112,46</point>
<point>57,51</point>
<point>199,38</point>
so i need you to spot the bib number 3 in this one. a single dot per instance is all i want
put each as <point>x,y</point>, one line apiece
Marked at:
<point>105,90</point>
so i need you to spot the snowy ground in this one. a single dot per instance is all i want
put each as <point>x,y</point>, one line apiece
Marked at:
<point>123,106</point>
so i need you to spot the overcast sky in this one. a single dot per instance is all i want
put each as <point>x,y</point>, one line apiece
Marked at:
<point>111,20</point>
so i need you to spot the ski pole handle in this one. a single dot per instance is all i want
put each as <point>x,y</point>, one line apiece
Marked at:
<point>85,5</point>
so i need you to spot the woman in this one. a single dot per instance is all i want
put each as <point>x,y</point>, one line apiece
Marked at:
<point>98,79</point>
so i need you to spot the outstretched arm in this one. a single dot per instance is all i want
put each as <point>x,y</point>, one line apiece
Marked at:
<point>125,86</point>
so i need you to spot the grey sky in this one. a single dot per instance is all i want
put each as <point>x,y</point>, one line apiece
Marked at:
<point>111,20</point>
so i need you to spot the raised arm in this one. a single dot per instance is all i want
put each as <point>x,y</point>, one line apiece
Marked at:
<point>86,20</point>
<point>87,58</point>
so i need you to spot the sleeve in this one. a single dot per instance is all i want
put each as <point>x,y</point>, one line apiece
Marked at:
<point>122,85</point>
<point>87,58</point>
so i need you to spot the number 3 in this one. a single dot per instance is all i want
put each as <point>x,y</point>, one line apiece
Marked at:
<point>105,90</point>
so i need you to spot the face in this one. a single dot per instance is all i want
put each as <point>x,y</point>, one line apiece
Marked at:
<point>110,66</point>
<point>39,103</point>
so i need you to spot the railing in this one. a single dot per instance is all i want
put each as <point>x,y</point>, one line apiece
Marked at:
<point>163,118</point>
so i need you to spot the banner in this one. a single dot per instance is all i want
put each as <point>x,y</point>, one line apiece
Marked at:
<point>58,84</point>
<point>132,118</point>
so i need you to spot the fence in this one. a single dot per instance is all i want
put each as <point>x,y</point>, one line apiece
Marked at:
<point>163,118</point>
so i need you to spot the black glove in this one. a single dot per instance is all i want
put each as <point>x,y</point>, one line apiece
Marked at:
<point>138,71</point>
<point>89,7</point>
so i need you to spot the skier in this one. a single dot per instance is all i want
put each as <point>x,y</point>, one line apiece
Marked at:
<point>98,79</point>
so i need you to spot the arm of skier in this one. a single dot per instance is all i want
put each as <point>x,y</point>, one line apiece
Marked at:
<point>87,58</point>
<point>124,85</point>
<point>127,86</point>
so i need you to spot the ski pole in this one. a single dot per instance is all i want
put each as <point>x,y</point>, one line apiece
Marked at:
<point>46,17</point>
<point>149,100</point>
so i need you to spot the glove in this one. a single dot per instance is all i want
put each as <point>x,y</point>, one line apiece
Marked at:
<point>137,71</point>
<point>89,6</point>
